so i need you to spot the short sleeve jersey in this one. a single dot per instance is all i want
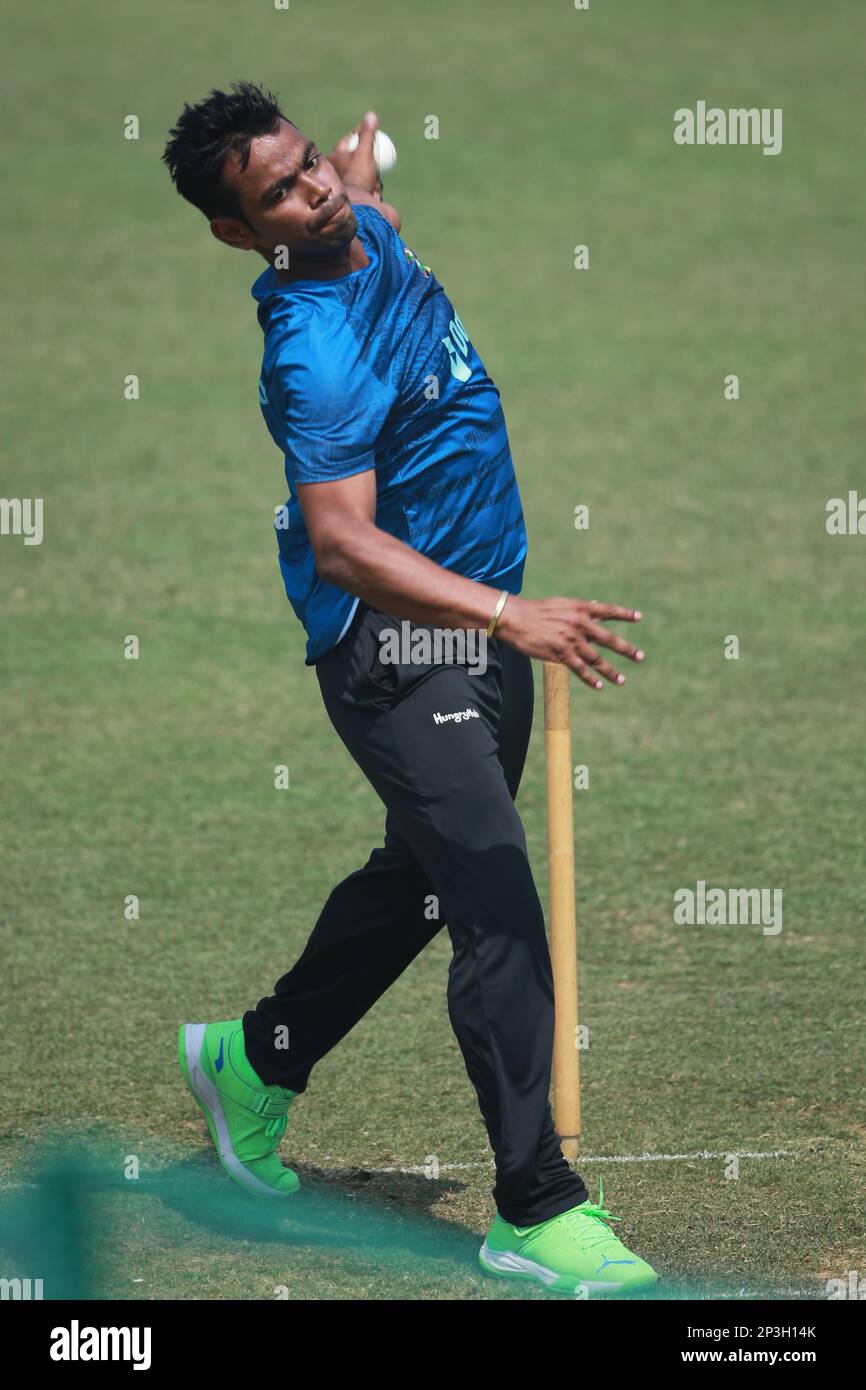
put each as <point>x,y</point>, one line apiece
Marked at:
<point>376,371</point>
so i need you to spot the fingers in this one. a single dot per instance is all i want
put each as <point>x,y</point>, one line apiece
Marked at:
<point>367,131</point>
<point>609,673</point>
<point>593,663</point>
<point>591,658</point>
<point>603,638</point>
<point>581,669</point>
<point>577,651</point>
<point>612,612</point>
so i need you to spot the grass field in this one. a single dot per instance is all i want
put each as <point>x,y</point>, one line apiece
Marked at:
<point>154,777</point>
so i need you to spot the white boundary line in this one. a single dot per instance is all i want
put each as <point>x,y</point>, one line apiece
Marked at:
<point>583,1159</point>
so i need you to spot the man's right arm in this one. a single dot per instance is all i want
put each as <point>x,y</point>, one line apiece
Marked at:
<point>352,552</point>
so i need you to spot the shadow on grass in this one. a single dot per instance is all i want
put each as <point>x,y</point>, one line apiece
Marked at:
<point>49,1222</point>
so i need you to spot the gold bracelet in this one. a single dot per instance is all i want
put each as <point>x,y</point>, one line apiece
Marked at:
<point>497,613</point>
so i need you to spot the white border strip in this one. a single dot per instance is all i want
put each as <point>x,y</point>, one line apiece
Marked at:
<point>583,1159</point>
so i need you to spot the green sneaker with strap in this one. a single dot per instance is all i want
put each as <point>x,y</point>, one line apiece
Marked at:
<point>246,1119</point>
<point>575,1253</point>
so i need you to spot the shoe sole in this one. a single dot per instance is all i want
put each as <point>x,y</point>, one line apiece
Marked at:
<point>190,1045</point>
<point>506,1264</point>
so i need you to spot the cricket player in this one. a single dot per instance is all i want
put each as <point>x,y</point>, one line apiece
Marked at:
<point>403,517</point>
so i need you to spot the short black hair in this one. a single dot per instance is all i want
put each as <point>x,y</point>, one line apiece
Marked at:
<point>222,124</point>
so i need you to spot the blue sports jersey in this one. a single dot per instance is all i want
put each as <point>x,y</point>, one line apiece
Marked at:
<point>375,370</point>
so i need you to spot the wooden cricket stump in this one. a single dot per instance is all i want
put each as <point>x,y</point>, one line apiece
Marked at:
<point>563,924</point>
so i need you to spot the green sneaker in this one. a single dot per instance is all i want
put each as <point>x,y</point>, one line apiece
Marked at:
<point>574,1253</point>
<point>246,1119</point>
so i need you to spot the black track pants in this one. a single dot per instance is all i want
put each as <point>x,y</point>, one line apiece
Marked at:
<point>452,833</point>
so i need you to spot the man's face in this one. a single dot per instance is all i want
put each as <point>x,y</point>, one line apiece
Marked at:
<point>290,196</point>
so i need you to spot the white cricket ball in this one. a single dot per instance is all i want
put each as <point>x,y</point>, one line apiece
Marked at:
<point>384,150</point>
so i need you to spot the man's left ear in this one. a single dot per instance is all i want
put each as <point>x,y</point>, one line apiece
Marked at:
<point>233,233</point>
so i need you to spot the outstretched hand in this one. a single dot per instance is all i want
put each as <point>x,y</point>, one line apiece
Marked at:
<point>569,630</point>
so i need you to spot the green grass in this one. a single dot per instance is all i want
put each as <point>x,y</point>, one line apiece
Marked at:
<point>155,777</point>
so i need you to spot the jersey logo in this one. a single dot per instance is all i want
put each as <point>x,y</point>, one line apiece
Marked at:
<point>457,346</point>
<point>413,260</point>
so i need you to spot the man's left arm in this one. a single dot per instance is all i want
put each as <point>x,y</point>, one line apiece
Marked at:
<point>357,169</point>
